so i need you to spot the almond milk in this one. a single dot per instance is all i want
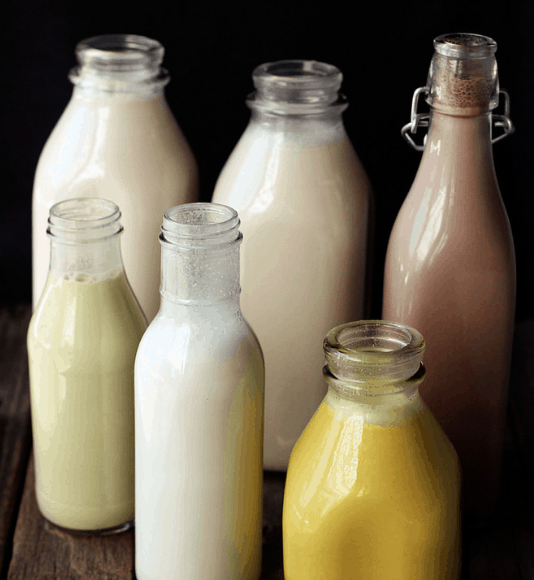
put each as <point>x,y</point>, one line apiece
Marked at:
<point>303,198</point>
<point>117,139</point>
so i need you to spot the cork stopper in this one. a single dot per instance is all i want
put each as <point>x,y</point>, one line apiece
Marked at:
<point>463,79</point>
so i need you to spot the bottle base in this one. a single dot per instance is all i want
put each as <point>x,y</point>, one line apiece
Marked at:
<point>101,532</point>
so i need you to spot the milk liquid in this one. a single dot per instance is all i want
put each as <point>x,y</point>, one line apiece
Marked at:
<point>199,395</point>
<point>450,273</point>
<point>125,148</point>
<point>303,199</point>
<point>82,342</point>
<point>199,430</point>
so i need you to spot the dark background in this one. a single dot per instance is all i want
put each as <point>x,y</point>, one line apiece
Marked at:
<point>383,49</point>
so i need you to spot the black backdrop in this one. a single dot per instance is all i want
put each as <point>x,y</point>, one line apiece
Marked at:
<point>382,48</point>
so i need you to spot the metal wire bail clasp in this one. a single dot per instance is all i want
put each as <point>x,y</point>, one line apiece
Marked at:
<point>417,120</point>
<point>504,121</point>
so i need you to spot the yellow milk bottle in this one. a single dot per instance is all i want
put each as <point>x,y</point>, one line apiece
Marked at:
<point>82,342</point>
<point>373,483</point>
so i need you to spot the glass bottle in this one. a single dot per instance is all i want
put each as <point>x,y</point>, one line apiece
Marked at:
<point>82,341</point>
<point>199,396</point>
<point>117,139</point>
<point>450,265</point>
<point>303,198</point>
<point>373,483</point>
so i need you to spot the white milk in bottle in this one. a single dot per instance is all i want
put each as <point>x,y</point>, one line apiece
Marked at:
<point>303,198</point>
<point>117,139</point>
<point>199,395</point>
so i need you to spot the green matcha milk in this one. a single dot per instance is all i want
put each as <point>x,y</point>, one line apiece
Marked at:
<point>82,342</point>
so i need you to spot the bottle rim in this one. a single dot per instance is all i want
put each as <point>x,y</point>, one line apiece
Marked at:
<point>123,51</point>
<point>298,73</point>
<point>84,220</point>
<point>297,86</point>
<point>119,63</point>
<point>465,45</point>
<point>363,353</point>
<point>200,225</point>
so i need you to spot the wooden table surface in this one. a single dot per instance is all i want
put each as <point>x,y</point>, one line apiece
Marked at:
<point>30,548</point>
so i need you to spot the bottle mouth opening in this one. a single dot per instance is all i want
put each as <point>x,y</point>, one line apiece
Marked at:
<point>296,87</point>
<point>198,225</point>
<point>296,72</point>
<point>373,349</point>
<point>127,52</point>
<point>84,219</point>
<point>465,45</point>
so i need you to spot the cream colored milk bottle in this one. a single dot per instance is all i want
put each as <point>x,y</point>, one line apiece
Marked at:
<point>199,395</point>
<point>82,341</point>
<point>303,198</point>
<point>450,266</point>
<point>117,139</point>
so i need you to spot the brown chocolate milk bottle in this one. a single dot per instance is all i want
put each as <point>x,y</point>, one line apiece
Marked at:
<point>450,265</point>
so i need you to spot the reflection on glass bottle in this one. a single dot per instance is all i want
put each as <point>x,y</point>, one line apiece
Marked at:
<point>117,139</point>
<point>373,483</point>
<point>303,198</point>
<point>82,342</point>
<point>450,266</point>
<point>199,395</point>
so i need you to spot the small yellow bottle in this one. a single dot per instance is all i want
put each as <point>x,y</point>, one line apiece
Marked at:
<point>373,484</point>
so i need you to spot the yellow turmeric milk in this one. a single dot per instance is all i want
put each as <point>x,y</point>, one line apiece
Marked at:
<point>372,493</point>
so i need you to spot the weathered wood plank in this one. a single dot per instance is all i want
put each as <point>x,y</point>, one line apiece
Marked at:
<point>503,550</point>
<point>15,425</point>
<point>43,552</point>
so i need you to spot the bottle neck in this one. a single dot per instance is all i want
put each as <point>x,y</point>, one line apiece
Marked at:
<point>94,261</point>
<point>200,256</point>
<point>371,359</point>
<point>297,88</point>
<point>463,79</point>
<point>85,239</point>
<point>460,141</point>
<point>119,64</point>
<point>200,278</point>
<point>373,369</point>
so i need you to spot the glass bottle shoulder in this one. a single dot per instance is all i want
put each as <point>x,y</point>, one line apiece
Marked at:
<point>454,213</point>
<point>197,339</point>
<point>80,153</point>
<point>352,454</point>
<point>301,172</point>
<point>86,322</point>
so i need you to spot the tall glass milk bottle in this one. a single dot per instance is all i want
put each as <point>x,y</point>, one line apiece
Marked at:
<point>450,266</point>
<point>199,396</point>
<point>303,198</point>
<point>82,341</point>
<point>117,139</point>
